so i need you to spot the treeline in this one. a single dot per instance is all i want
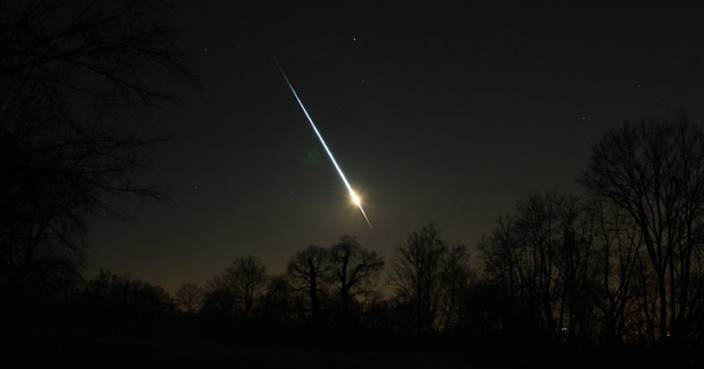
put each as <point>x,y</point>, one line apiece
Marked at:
<point>620,263</point>
<point>618,266</point>
<point>339,291</point>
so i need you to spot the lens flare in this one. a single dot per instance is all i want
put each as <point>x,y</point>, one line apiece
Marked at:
<point>354,197</point>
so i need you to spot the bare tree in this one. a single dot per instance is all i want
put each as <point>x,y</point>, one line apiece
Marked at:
<point>248,276</point>
<point>654,172</point>
<point>537,223</point>
<point>618,243</point>
<point>66,67</point>
<point>243,282</point>
<point>236,291</point>
<point>278,300</point>
<point>219,298</point>
<point>189,298</point>
<point>308,271</point>
<point>503,258</point>
<point>354,270</point>
<point>417,275</point>
<point>457,276</point>
<point>544,258</point>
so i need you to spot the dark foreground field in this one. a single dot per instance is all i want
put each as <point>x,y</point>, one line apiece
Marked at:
<point>29,351</point>
<point>26,351</point>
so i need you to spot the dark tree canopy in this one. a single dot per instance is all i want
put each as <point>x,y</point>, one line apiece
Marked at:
<point>654,172</point>
<point>189,298</point>
<point>429,277</point>
<point>309,271</point>
<point>354,269</point>
<point>237,289</point>
<point>66,68</point>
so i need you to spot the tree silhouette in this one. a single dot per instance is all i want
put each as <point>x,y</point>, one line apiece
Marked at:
<point>278,300</point>
<point>457,278</point>
<point>417,275</point>
<point>130,306</point>
<point>654,172</point>
<point>618,264</point>
<point>189,298</point>
<point>546,261</point>
<point>248,276</point>
<point>308,270</point>
<point>238,288</point>
<point>66,68</point>
<point>353,270</point>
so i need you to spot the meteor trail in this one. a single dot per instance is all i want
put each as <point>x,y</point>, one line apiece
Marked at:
<point>354,197</point>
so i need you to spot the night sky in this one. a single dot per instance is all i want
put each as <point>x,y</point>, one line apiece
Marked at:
<point>444,114</point>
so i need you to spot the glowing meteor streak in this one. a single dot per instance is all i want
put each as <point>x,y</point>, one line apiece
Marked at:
<point>354,197</point>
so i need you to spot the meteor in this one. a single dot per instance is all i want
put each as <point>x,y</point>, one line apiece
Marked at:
<point>354,197</point>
